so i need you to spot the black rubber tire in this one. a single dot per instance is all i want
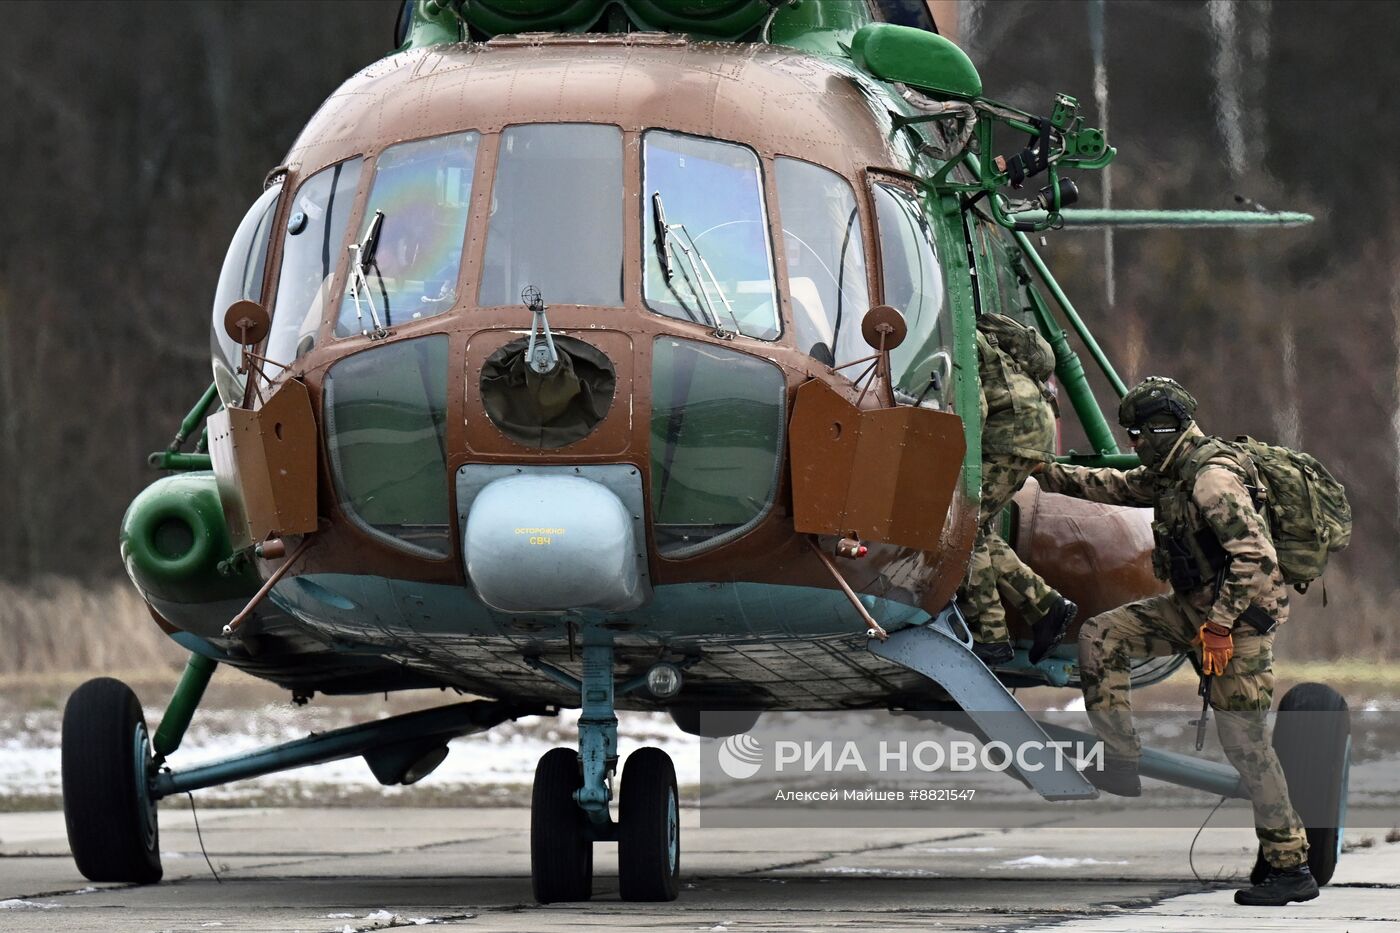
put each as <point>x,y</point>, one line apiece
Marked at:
<point>648,834</point>
<point>561,852</point>
<point>112,827</point>
<point>1313,751</point>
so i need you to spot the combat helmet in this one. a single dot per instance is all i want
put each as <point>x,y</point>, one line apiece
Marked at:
<point>1156,395</point>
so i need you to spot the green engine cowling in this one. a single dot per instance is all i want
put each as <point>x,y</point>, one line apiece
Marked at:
<point>174,540</point>
<point>720,19</point>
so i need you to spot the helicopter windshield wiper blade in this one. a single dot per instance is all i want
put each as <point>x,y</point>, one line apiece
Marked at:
<point>361,260</point>
<point>662,234</point>
<point>693,253</point>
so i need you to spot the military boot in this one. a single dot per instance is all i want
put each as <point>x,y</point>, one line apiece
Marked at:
<point>1280,886</point>
<point>1119,776</point>
<point>993,653</point>
<point>1049,630</point>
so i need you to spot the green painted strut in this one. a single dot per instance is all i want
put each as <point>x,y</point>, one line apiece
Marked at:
<point>196,415</point>
<point>1088,219</point>
<point>178,714</point>
<point>1072,315</point>
<point>1070,372</point>
<point>1110,460</point>
<point>172,460</point>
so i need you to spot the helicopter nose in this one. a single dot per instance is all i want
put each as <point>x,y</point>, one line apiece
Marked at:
<point>549,542</point>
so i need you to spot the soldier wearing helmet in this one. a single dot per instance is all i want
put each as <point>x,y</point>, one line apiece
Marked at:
<point>1228,594</point>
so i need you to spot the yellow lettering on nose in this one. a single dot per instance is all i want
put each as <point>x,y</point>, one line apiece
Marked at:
<point>538,540</point>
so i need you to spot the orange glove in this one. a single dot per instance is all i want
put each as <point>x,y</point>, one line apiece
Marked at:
<point>1217,647</point>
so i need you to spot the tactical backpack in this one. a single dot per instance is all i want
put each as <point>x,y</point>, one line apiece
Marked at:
<point>1307,509</point>
<point>1023,345</point>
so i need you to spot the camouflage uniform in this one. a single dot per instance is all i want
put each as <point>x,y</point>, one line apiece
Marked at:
<point>1219,501</point>
<point>1018,432</point>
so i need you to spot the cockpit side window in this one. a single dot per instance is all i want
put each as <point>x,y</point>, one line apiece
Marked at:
<point>241,279</point>
<point>705,236</point>
<point>825,261</point>
<point>314,252</point>
<point>913,281</point>
<point>424,190</point>
<point>556,216</point>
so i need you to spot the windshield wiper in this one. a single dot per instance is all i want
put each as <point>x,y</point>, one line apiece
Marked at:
<point>695,260</point>
<point>361,261</point>
<point>663,234</point>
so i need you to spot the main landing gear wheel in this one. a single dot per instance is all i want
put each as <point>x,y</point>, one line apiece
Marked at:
<point>649,830</point>
<point>111,817</point>
<point>1315,751</point>
<point>561,852</point>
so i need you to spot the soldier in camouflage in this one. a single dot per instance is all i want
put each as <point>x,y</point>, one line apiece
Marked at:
<point>1227,596</point>
<point>1018,433</point>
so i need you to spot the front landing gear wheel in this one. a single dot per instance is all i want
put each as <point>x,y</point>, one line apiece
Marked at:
<point>561,853</point>
<point>649,831</point>
<point>111,817</point>
<point>1313,742</point>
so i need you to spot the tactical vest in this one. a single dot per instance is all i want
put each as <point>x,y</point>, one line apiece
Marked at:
<point>1014,362</point>
<point>1187,552</point>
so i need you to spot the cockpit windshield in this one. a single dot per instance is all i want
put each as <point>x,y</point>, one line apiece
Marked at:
<point>556,216</point>
<point>424,191</point>
<point>241,279</point>
<point>707,253</point>
<point>314,250</point>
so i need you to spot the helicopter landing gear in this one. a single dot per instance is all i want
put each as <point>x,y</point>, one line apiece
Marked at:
<point>1312,739</point>
<point>561,842</point>
<point>569,808</point>
<point>107,804</point>
<point>649,834</point>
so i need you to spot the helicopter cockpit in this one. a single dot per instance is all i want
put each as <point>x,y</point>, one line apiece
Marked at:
<point>688,280</point>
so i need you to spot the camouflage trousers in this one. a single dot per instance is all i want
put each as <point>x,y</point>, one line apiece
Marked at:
<point>995,572</point>
<point>1166,625</point>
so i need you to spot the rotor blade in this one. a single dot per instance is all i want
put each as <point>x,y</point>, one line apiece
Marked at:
<point>1086,219</point>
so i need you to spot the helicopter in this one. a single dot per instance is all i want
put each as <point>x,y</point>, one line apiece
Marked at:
<point>618,355</point>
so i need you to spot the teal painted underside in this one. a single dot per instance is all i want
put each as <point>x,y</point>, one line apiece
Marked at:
<point>374,609</point>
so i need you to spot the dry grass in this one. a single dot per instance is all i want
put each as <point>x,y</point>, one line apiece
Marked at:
<point>55,624</point>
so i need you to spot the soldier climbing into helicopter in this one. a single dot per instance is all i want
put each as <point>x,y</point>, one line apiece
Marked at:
<point>1018,434</point>
<point>1228,595</point>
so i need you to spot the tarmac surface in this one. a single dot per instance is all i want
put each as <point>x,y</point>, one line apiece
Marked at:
<point>349,870</point>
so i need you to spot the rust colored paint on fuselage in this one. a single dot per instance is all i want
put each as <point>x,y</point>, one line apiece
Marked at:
<point>778,102</point>
<point>1098,555</point>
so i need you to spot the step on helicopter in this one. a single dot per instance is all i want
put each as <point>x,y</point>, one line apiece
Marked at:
<point>618,354</point>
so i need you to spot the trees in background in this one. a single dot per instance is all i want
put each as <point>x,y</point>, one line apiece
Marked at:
<point>138,133</point>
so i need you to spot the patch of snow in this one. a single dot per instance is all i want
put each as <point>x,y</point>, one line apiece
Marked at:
<point>1046,861</point>
<point>883,872</point>
<point>959,850</point>
<point>15,903</point>
<point>339,916</point>
<point>380,914</point>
